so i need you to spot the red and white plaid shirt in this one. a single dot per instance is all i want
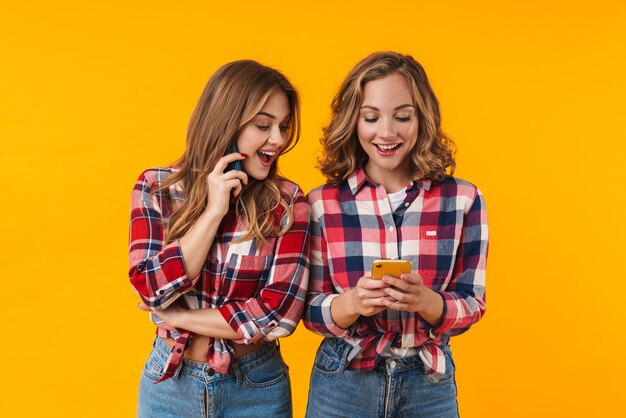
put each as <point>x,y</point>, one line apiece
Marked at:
<point>260,290</point>
<point>440,227</point>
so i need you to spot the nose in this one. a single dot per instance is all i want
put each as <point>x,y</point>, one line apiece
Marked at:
<point>387,130</point>
<point>277,138</point>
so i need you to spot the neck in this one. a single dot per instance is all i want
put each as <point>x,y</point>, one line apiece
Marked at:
<point>392,180</point>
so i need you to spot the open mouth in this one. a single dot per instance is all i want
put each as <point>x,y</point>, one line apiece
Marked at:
<point>266,157</point>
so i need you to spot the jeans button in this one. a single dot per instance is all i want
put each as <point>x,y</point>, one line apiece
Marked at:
<point>392,364</point>
<point>210,372</point>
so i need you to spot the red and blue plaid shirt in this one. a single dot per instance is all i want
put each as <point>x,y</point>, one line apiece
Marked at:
<point>259,289</point>
<point>440,227</point>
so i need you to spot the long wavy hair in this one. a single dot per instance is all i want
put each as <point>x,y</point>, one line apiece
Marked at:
<point>342,153</point>
<point>231,98</point>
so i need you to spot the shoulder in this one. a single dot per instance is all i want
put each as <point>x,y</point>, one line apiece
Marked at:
<point>289,189</point>
<point>152,178</point>
<point>462,191</point>
<point>325,200</point>
<point>326,191</point>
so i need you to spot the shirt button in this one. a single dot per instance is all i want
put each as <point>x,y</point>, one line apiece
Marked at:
<point>411,184</point>
<point>210,372</point>
<point>407,204</point>
<point>392,364</point>
<point>391,228</point>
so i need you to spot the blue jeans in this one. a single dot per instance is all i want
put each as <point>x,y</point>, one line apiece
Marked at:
<point>257,386</point>
<point>397,387</point>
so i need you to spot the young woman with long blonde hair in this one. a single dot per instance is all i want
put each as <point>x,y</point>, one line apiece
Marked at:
<point>219,253</point>
<point>391,195</point>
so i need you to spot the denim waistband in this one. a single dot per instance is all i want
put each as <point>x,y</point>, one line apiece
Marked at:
<point>203,370</point>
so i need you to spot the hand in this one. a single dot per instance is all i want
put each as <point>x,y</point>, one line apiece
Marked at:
<point>171,315</point>
<point>408,293</point>
<point>221,184</point>
<point>368,296</point>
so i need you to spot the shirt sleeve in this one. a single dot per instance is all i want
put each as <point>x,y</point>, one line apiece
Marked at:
<point>156,270</point>
<point>464,297</point>
<point>321,292</point>
<point>278,308</point>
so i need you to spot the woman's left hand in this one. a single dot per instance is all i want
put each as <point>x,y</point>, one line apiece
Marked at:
<point>408,293</point>
<point>171,315</point>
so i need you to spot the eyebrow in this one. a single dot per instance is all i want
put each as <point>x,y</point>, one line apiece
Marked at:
<point>396,108</point>
<point>269,115</point>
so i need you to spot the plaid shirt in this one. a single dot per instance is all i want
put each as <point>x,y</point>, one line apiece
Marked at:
<point>260,290</point>
<point>440,227</point>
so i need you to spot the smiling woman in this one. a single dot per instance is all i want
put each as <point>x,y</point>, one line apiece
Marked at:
<point>389,196</point>
<point>219,256</point>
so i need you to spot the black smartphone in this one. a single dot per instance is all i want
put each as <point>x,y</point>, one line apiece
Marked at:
<point>235,165</point>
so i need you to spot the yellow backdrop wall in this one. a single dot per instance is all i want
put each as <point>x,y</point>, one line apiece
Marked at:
<point>93,93</point>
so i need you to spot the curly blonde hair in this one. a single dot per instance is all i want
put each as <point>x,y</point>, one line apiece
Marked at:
<point>433,155</point>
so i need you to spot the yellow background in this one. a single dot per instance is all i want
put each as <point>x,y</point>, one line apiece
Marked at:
<point>91,94</point>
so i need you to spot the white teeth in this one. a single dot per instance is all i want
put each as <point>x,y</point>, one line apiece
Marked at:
<point>270,153</point>
<point>387,147</point>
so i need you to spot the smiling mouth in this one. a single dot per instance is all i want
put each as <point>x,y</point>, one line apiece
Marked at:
<point>387,149</point>
<point>266,156</point>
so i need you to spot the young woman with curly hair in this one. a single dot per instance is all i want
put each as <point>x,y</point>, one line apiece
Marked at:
<point>390,194</point>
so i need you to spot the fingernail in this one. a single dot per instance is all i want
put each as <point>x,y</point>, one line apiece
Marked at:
<point>244,155</point>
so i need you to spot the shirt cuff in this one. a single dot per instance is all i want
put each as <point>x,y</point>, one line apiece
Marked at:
<point>448,316</point>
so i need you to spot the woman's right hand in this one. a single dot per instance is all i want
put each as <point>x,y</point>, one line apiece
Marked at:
<point>221,184</point>
<point>367,296</point>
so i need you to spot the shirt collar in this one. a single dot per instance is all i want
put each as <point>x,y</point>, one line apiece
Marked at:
<point>358,179</point>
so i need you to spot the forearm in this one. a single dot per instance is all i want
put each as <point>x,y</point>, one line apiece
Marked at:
<point>206,322</point>
<point>433,308</point>
<point>197,242</point>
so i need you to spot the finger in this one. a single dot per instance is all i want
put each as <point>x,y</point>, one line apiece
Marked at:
<point>367,283</point>
<point>227,159</point>
<point>143,307</point>
<point>232,185</point>
<point>236,174</point>
<point>397,295</point>
<point>413,278</point>
<point>398,283</point>
<point>396,305</point>
<point>237,189</point>
<point>371,294</point>
<point>373,302</point>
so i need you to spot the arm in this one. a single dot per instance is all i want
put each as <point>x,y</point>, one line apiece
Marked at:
<point>160,273</point>
<point>157,271</point>
<point>327,312</point>
<point>464,298</point>
<point>278,308</point>
<point>207,322</point>
<point>463,303</point>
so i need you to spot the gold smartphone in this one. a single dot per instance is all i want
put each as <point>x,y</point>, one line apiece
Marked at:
<point>393,268</point>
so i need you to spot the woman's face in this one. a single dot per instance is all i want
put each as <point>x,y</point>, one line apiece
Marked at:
<point>265,135</point>
<point>387,127</point>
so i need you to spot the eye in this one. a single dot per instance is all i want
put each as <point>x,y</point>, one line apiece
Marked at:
<point>370,120</point>
<point>263,127</point>
<point>403,118</point>
<point>284,128</point>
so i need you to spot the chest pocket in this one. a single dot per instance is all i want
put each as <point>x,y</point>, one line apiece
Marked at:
<point>437,251</point>
<point>245,276</point>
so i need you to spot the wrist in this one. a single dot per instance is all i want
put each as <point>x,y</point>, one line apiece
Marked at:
<point>211,215</point>
<point>433,309</point>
